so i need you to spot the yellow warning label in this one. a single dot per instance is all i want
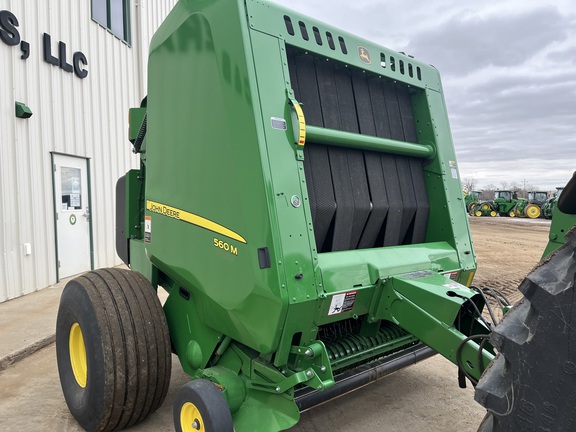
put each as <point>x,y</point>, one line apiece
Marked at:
<point>191,218</point>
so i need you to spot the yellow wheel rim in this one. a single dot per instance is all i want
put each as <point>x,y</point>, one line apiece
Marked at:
<point>478,213</point>
<point>190,418</point>
<point>78,355</point>
<point>533,212</point>
<point>512,214</point>
<point>493,213</point>
<point>485,207</point>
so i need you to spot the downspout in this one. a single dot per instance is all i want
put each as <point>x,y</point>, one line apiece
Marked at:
<point>139,48</point>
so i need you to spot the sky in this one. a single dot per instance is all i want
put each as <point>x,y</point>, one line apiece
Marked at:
<point>508,70</point>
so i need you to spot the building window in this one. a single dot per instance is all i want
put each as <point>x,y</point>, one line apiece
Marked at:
<point>114,15</point>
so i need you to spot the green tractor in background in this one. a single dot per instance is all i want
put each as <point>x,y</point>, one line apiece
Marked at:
<point>548,207</point>
<point>531,207</point>
<point>505,202</point>
<point>483,208</point>
<point>471,198</point>
<point>537,197</point>
<point>564,218</point>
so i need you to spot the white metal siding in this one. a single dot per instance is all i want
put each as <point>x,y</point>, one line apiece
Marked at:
<point>81,117</point>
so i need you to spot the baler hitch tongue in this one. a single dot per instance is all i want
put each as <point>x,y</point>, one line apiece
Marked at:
<point>444,315</point>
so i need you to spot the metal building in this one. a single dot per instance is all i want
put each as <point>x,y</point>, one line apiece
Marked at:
<point>69,71</point>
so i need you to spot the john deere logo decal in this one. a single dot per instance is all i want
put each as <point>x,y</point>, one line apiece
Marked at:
<point>364,55</point>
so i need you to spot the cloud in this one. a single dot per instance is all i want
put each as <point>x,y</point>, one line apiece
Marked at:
<point>465,44</point>
<point>563,56</point>
<point>531,174</point>
<point>510,87</point>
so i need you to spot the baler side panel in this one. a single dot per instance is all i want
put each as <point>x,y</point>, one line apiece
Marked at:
<point>203,164</point>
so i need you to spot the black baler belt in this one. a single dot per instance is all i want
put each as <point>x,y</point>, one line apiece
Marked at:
<point>379,108</point>
<point>346,103</point>
<point>379,199</point>
<point>360,195</point>
<point>344,218</point>
<point>359,199</point>
<point>393,111</point>
<point>308,88</point>
<point>328,96</point>
<point>392,228</point>
<point>408,198</point>
<point>407,115</point>
<point>320,182</point>
<point>422,204</point>
<point>363,104</point>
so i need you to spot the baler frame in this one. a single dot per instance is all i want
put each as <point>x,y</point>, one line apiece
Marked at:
<point>277,280</point>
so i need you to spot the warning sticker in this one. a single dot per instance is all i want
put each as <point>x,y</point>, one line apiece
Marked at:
<point>453,169</point>
<point>455,285</point>
<point>417,274</point>
<point>451,275</point>
<point>342,303</point>
<point>147,229</point>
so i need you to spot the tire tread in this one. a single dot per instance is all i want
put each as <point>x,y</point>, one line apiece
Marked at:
<point>537,348</point>
<point>136,363</point>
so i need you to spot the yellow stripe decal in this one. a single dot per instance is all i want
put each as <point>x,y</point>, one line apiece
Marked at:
<point>191,218</point>
<point>301,123</point>
<point>470,279</point>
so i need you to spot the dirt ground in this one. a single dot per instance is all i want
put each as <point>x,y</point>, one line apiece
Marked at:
<point>506,250</point>
<point>422,397</point>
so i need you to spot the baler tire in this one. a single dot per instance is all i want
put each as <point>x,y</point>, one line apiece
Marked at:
<point>202,402</point>
<point>530,383</point>
<point>112,349</point>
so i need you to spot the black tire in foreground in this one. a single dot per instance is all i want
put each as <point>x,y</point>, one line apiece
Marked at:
<point>200,405</point>
<point>531,384</point>
<point>113,349</point>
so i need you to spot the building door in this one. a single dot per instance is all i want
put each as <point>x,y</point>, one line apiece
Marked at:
<point>72,205</point>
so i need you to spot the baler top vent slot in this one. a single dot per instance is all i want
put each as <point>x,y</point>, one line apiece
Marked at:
<point>303,31</point>
<point>289,26</point>
<point>330,41</point>
<point>342,45</point>
<point>317,34</point>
